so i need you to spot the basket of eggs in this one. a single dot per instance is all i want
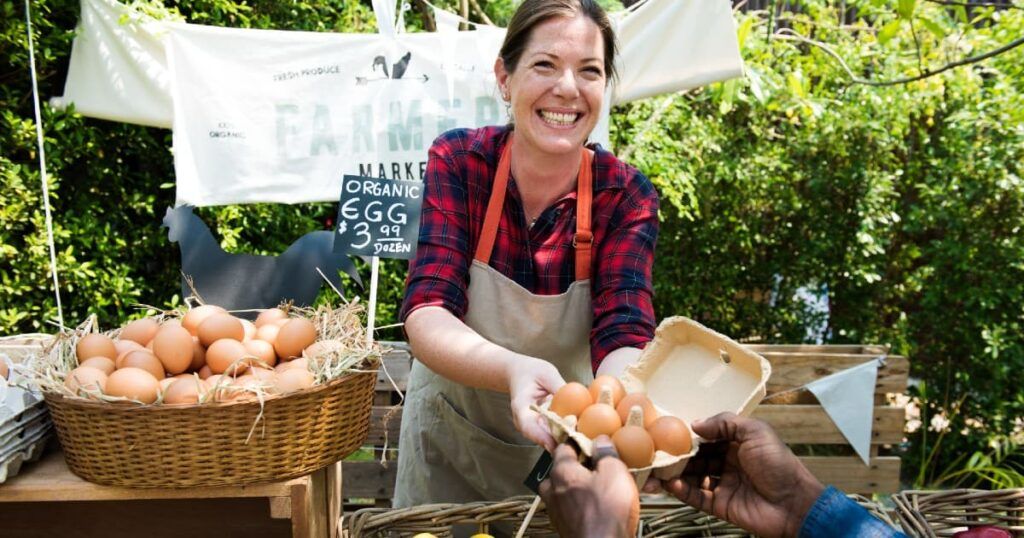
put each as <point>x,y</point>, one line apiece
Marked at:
<point>687,372</point>
<point>205,398</point>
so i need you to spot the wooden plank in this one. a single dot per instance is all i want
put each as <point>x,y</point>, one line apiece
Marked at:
<point>164,518</point>
<point>369,479</point>
<point>381,423</point>
<point>281,507</point>
<point>828,348</point>
<point>810,424</point>
<point>398,366</point>
<point>850,475</point>
<point>795,370</point>
<point>50,480</point>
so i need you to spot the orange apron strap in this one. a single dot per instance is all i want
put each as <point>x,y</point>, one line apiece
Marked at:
<point>494,206</point>
<point>584,237</point>
<point>584,196</point>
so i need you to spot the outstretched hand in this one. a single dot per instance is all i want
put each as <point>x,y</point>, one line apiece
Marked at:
<point>531,380</point>
<point>584,503</point>
<point>744,474</point>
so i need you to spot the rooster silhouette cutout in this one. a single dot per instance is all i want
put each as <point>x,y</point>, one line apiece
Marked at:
<point>249,281</point>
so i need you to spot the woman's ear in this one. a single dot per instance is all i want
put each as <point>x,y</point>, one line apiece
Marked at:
<point>502,75</point>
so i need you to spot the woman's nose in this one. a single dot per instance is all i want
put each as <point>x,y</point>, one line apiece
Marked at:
<point>566,85</point>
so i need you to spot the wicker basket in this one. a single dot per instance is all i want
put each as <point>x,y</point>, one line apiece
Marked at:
<point>438,519</point>
<point>943,513</point>
<point>205,445</point>
<point>687,521</point>
<point>657,519</point>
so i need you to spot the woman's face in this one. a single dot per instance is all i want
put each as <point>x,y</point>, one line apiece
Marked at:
<point>558,85</point>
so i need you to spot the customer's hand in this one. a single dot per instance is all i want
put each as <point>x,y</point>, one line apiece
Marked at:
<point>600,503</point>
<point>744,474</point>
<point>530,381</point>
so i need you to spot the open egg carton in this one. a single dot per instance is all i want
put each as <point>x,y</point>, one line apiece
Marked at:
<point>25,426</point>
<point>690,372</point>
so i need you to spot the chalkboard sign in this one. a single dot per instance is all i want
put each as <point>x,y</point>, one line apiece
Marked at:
<point>379,217</point>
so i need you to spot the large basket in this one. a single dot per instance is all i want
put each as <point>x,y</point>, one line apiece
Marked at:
<point>214,444</point>
<point>943,513</point>
<point>658,518</point>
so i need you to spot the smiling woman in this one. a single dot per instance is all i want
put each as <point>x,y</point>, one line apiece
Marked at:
<point>533,266</point>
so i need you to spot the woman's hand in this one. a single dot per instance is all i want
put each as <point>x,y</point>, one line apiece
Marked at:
<point>530,380</point>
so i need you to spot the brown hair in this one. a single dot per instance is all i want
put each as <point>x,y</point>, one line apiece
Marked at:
<point>531,13</point>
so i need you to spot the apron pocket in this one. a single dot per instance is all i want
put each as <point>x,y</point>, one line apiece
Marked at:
<point>496,468</point>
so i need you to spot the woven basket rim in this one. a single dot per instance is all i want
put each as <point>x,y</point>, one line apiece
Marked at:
<point>127,406</point>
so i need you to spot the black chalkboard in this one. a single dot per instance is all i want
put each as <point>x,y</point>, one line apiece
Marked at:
<point>378,217</point>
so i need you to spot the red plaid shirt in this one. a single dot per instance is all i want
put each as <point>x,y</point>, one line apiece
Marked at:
<point>460,171</point>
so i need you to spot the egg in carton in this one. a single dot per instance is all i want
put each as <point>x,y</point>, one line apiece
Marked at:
<point>690,372</point>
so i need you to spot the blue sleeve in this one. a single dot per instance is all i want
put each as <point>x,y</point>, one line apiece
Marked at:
<point>836,515</point>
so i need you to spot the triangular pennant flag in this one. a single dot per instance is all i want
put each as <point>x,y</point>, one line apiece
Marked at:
<point>848,398</point>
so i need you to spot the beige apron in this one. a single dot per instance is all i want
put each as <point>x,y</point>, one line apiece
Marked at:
<point>459,444</point>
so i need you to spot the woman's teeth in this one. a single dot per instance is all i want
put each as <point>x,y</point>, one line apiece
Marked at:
<point>558,118</point>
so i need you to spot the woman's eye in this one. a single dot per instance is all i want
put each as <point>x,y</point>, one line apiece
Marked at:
<point>544,65</point>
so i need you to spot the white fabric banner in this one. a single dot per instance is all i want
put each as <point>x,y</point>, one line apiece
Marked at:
<point>849,399</point>
<point>276,116</point>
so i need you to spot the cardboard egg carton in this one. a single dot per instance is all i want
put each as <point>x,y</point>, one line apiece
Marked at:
<point>25,424</point>
<point>690,372</point>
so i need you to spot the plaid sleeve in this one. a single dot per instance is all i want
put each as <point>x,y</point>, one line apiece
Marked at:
<point>623,287</point>
<point>439,273</point>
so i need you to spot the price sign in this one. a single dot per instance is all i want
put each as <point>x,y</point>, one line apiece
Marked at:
<point>379,217</point>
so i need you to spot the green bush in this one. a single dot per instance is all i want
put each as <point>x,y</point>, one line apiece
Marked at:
<point>903,203</point>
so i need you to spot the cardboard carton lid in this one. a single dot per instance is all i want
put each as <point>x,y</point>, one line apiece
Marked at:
<point>692,372</point>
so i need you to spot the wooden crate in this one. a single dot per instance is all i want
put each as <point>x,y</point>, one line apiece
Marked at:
<point>799,419</point>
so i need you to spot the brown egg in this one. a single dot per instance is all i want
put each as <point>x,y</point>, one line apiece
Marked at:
<point>124,346</point>
<point>266,375</point>
<point>102,364</point>
<point>268,333</point>
<point>134,384</point>
<point>599,419</point>
<point>144,360</point>
<point>634,445</point>
<point>295,335</point>
<point>322,347</point>
<point>248,330</point>
<point>3,369</point>
<point>85,378</point>
<point>281,322</point>
<point>270,315</point>
<point>222,355</point>
<point>166,382</point>
<point>601,381</point>
<point>220,326</point>
<point>197,315</point>
<point>205,372</point>
<point>294,379</point>
<point>302,363</point>
<point>198,355</point>
<point>262,351</point>
<point>184,391</point>
<point>95,345</point>
<point>671,435</point>
<point>173,322</point>
<point>174,347</point>
<point>140,331</point>
<point>641,399</point>
<point>571,399</point>
<point>215,380</point>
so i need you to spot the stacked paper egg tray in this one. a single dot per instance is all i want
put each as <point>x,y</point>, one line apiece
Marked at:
<point>25,425</point>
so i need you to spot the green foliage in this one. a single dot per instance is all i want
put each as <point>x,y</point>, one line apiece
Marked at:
<point>903,203</point>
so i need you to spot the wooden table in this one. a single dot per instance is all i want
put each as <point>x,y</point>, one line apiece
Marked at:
<point>46,499</point>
